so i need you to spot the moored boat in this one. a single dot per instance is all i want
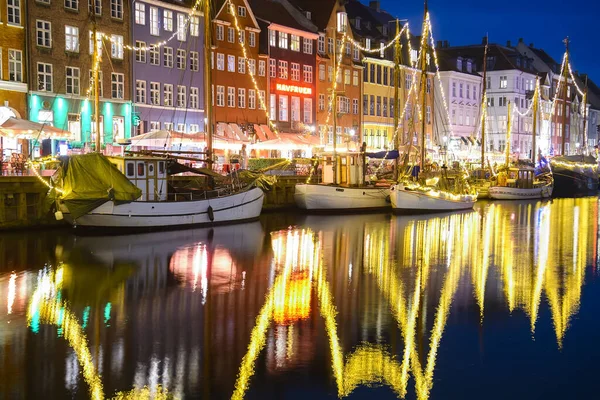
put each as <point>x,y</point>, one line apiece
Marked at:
<point>575,175</point>
<point>518,183</point>
<point>409,198</point>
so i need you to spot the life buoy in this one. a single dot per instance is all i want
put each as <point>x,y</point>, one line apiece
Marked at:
<point>211,214</point>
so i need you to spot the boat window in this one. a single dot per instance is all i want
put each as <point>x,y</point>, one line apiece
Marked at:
<point>161,167</point>
<point>150,169</point>
<point>140,168</point>
<point>130,169</point>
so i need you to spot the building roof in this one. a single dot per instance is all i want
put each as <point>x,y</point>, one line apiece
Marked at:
<point>499,57</point>
<point>275,11</point>
<point>368,27</point>
<point>545,57</point>
<point>449,62</point>
<point>593,90</point>
<point>320,10</point>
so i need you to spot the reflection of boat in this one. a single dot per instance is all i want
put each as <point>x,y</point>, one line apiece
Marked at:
<point>519,183</point>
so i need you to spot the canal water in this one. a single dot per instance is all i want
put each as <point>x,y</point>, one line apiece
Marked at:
<point>501,302</point>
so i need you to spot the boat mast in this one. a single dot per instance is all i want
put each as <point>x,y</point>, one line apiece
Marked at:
<point>334,105</point>
<point>483,103</point>
<point>508,129</point>
<point>585,94</point>
<point>95,68</point>
<point>208,123</point>
<point>564,105</point>
<point>396,95</point>
<point>424,48</point>
<point>535,116</point>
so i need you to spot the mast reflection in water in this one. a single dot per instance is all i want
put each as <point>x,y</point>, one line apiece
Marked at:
<point>496,303</point>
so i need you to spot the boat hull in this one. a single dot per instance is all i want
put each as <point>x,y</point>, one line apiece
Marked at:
<point>508,193</point>
<point>406,201</point>
<point>342,199</point>
<point>568,183</point>
<point>144,215</point>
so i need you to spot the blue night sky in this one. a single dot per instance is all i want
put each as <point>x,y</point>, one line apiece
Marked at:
<point>545,23</point>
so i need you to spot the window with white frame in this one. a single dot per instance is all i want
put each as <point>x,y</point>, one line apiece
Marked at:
<point>273,107</point>
<point>72,80</point>
<point>252,67</point>
<point>181,96</point>
<point>231,63</point>
<point>116,9</point>
<point>251,99</point>
<point>355,106</point>
<point>195,26</point>
<point>295,109</point>
<point>307,117</point>
<point>307,73</point>
<point>117,85</point>
<point>241,98</point>
<point>252,39</point>
<point>140,51</point>
<point>342,21</point>
<point>98,44</point>
<point>116,46</point>
<point>13,11</point>
<point>272,68</point>
<point>221,61</point>
<point>230,97</point>
<point>230,35</point>
<point>349,49</point>
<point>330,45</point>
<point>181,127</point>
<point>181,59</point>
<point>74,126</point>
<point>329,73</point>
<point>295,75</point>
<point>347,77</point>
<point>95,6</point>
<point>355,53</point>
<point>140,91</point>
<point>321,102</point>
<point>194,61</point>
<point>261,100</point>
<point>15,65</point>
<point>283,40</point>
<point>221,96</point>
<point>154,126</point>
<point>242,37</point>
<point>169,126</point>
<point>261,67</point>
<point>321,44</point>
<point>355,78</point>
<point>283,69</point>
<point>272,38</point>
<point>44,77</point>
<point>154,28</point>
<point>168,20</point>
<point>72,39</point>
<point>44,33</point>
<point>154,55</point>
<point>321,72</point>
<point>168,95</point>
<point>91,81</point>
<point>71,4</point>
<point>241,11</point>
<point>181,28</point>
<point>283,108</point>
<point>194,99</point>
<point>503,82</point>
<point>220,32</point>
<point>307,46</point>
<point>294,42</point>
<point>241,65</point>
<point>140,13</point>
<point>155,93</point>
<point>168,57</point>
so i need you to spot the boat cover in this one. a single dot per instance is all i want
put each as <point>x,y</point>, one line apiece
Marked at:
<point>380,155</point>
<point>87,181</point>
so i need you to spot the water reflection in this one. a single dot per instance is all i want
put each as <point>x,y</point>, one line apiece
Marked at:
<point>350,302</point>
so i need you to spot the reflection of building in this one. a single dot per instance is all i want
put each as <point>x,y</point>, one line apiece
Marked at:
<point>60,64</point>
<point>168,82</point>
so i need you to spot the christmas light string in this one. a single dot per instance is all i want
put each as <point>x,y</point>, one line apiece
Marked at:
<point>381,48</point>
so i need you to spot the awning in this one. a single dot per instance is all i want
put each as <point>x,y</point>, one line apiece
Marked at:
<point>239,134</point>
<point>225,130</point>
<point>166,139</point>
<point>259,133</point>
<point>464,139</point>
<point>25,129</point>
<point>270,135</point>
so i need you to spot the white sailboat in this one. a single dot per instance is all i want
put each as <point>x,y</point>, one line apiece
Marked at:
<point>132,192</point>
<point>437,194</point>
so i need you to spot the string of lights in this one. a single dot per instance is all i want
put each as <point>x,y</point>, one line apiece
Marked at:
<point>381,48</point>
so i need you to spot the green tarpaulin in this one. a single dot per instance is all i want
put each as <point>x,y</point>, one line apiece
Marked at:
<point>87,181</point>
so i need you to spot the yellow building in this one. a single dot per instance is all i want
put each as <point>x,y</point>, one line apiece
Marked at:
<point>13,87</point>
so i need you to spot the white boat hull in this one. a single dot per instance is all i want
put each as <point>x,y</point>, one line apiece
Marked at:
<point>508,193</point>
<point>407,201</point>
<point>238,207</point>
<point>329,197</point>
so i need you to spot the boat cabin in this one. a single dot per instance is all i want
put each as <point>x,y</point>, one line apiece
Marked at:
<point>147,173</point>
<point>521,178</point>
<point>349,169</point>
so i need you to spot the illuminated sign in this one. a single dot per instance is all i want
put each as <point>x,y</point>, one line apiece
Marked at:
<point>294,89</point>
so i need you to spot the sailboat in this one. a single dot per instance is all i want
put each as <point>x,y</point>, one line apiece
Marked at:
<point>429,193</point>
<point>343,187</point>
<point>520,181</point>
<point>575,175</point>
<point>133,192</point>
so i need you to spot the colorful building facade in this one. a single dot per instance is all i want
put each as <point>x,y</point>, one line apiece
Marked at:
<point>61,64</point>
<point>168,80</point>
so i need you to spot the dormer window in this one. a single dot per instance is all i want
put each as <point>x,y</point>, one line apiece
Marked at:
<point>368,43</point>
<point>368,25</point>
<point>308,15</point>
<point>381,49</point>
<point>385,30</point>
<point>357,23</point>
<point>342,21</point>
<point>469,66</point>
<point>459,64</point>
<point>518,62</point>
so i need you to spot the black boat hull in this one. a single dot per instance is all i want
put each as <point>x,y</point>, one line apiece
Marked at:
<point>569,183</point>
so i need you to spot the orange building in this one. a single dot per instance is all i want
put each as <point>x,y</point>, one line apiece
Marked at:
<point>236,100</point>
<point>332,22</point>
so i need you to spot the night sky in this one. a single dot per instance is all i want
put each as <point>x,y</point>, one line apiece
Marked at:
<point>545,23</point>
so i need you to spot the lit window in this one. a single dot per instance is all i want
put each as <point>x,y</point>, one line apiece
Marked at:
<point>283,40</point>
<point>72,39</point>
<point>168,97</point>
<point>140,13</point>
<point>140,51</point>
<point>168,20</point>
<point>116,49</point>
<point>295,43</point>
<point>154,30</point>
<point>283,108</point>
<point>241,98</point>
<point>181,28</point>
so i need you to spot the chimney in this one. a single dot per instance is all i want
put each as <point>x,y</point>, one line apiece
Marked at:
<point>508,43</point>
<point>439,44</point>
<point>446,45</point>
<point>484,40</point>
<point>520,40</point>
<point>375,5</point>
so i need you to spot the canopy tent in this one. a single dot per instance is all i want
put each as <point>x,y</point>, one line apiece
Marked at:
<point>167,139</point>
<point>25,129</point>
<point>284,141</point>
